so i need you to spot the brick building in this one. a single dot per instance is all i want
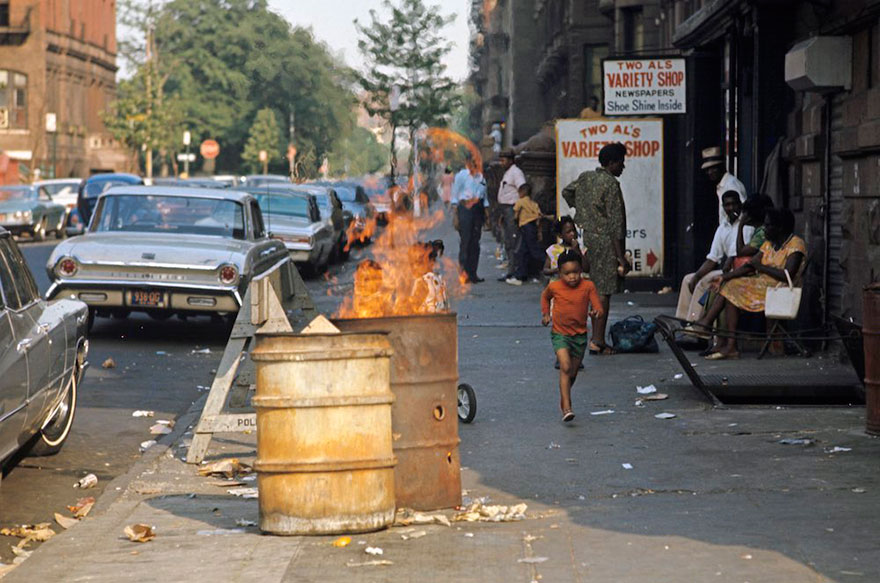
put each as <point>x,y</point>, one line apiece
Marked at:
<point>814,148</point>
<point>58,57</point>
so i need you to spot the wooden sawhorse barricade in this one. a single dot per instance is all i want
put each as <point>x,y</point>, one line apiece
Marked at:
<point>272,301</point>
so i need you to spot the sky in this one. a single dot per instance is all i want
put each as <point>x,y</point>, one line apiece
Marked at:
<point>331,22</point>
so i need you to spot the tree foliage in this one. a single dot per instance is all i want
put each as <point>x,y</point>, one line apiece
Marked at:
<point>264,135</point>
<point>405,47</point>
<point>358,153</point>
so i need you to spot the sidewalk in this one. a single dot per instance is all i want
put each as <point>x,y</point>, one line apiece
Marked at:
<point>712,495</point>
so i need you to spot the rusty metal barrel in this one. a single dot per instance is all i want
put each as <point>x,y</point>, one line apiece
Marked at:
<point>424,418</point>
<point>871,339</point>
<point>324,463</point>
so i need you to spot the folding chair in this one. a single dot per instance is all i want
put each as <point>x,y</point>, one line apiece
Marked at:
<point>776,329</point>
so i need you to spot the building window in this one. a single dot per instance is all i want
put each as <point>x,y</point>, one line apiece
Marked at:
<point>593,55</point>
<point>4,13</point>
<point>13,100</point>
<point>633,29</point>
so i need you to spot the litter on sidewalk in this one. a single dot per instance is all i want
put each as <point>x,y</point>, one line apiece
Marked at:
<point>646,390</point>
<point>227,468</point>
<point>796,441</point>
<point>88,481</point>
<point>246,493</point>
<point>665,416</point>
<point>477,512</point>
<point>65,522</point>
<point>143,413</point>
<point>82,507</point>
<point>139,533</point>
<point>605,412</point>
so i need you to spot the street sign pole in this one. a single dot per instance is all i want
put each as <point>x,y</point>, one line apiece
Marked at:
<point>187,138</point>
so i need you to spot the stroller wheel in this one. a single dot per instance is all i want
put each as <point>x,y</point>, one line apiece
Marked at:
<point>467,403</point>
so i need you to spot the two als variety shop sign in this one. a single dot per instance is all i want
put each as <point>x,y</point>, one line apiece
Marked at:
<point>578,143</point>
<point>644,86</point>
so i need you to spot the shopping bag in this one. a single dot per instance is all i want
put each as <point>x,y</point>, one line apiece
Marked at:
<point>634,335</point>
<point>781,302</point>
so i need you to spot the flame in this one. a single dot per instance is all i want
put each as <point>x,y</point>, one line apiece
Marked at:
<point>392,283</point>
<point>444,144</point>
<point>360,234</point>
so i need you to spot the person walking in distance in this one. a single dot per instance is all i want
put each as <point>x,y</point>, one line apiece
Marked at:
<point>508,194</point>
<point>470,208</point>
<point>600,212</point>
<point>573,299</point>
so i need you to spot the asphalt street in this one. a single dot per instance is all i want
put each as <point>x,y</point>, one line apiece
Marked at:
<point>159,366</point>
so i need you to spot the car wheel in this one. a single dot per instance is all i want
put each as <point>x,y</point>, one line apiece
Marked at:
<point>40,231</point>
<point>55,431</point>
<point>160,315</point>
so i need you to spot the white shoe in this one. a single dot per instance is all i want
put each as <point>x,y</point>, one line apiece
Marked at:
<point>513,281</point>
<point>535,280</point>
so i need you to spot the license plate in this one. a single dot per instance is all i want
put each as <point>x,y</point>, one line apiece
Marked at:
<point>152,299</point>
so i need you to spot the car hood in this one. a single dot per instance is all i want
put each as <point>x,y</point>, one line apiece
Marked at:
<point>11,206</point>
<point>126,248</point>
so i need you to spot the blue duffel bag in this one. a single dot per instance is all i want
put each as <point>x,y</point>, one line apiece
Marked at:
<point>634,335</point>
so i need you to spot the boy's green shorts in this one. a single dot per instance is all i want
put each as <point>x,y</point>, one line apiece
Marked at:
<point>576,344</point>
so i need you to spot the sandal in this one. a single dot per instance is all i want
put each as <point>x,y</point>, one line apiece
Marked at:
<point>567,415</point>
<point>691,329</point>
<point>602,349</point>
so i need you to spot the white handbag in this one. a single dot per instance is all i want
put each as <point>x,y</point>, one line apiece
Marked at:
<point>782,303</point>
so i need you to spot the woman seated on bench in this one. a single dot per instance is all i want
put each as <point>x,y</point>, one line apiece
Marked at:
<point>745,287</point>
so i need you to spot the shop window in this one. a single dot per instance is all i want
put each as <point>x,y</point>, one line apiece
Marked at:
<point>593,55</point>
<point>13,100</point>
<point>633,29</point>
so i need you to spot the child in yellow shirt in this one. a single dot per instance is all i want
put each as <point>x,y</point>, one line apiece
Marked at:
<point>529,252</point>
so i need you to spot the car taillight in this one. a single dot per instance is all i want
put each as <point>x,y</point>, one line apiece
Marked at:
<point>228,274</point>
<point>66,267</point>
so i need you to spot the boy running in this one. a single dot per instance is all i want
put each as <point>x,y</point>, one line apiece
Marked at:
<point>574,298</point>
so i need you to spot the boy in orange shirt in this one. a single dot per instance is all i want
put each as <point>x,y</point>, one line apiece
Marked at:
<point>574,299</point>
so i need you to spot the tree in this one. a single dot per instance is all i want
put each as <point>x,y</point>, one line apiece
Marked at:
<point>357,154</point>
<point>406,50</point>
<point>265,136</point>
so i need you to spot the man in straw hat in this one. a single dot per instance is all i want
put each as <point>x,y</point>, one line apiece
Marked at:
<point>724,181</point>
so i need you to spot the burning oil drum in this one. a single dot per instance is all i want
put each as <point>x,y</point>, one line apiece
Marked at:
<point>424,380</point>
<point>324,458</point>
<point>871,338</point>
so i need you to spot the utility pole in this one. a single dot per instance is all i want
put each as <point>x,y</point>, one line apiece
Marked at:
<point>148,82</point>
<point>394,105</point>
<point>291,124</point>
<point>187,138</point>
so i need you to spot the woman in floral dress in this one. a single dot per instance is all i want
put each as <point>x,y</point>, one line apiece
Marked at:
<point>745,288</point>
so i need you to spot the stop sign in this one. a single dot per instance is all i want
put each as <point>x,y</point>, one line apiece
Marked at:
<point>209,149</point>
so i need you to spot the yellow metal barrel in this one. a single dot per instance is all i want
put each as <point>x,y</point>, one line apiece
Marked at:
<point>325,463</point>
<point>424,417</point>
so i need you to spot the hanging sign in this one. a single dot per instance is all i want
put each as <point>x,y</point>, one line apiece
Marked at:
<point>644,86</point>
<point>578,142</point>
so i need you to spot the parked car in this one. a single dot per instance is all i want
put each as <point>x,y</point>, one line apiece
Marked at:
<point>28,208</point>
<point>294,219</point>
<point>43,350</point>
<point>331,210</point>
<point>264,179</point>
<point>95,186</point>
<point>355,200</point>
<point>227,180</point>
<point>165,250</point>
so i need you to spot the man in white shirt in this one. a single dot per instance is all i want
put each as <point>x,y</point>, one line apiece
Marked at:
<point>508,194</point>
<point>723,250</point>
<point>714,167</point>
<point>470,208</point>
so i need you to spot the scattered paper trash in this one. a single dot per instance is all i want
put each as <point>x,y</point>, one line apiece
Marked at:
<point>408,516</point>
<point>532,560</point>
<point>553,445</point>
<point>639,403</point>
<point>160,429</point>
<point>82,507</point>
<point>478,512</point>
<point>145,445</point>
<point>30,532</point>
<point>201,351</point>
<point>838,449</point>
<point>678,376</point>
<point>342,541</point>
<point>227,467</point>
<point>88,481</point>
<point>161,353</point>
<point>109,363</point>
<point>469,534</point>
<point>21,555</point>
<point>858,490</point>
<point>796,441</point>
<point>375,551</point>
<point>413,535</point>
<point>140,533</point>
<point>143,413</point>
<point>627,466</point>
<point>65,522</point>
<point>245,522</point>
<point>664,290</point>
<point>605,412</point>
<point>246,493</point>
<point>665,416</point>
<point>646,390</point>
<point>655,397</point>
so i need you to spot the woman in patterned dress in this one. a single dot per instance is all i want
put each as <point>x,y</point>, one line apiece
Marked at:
<point>745,288</point>
<point>600,212</point>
